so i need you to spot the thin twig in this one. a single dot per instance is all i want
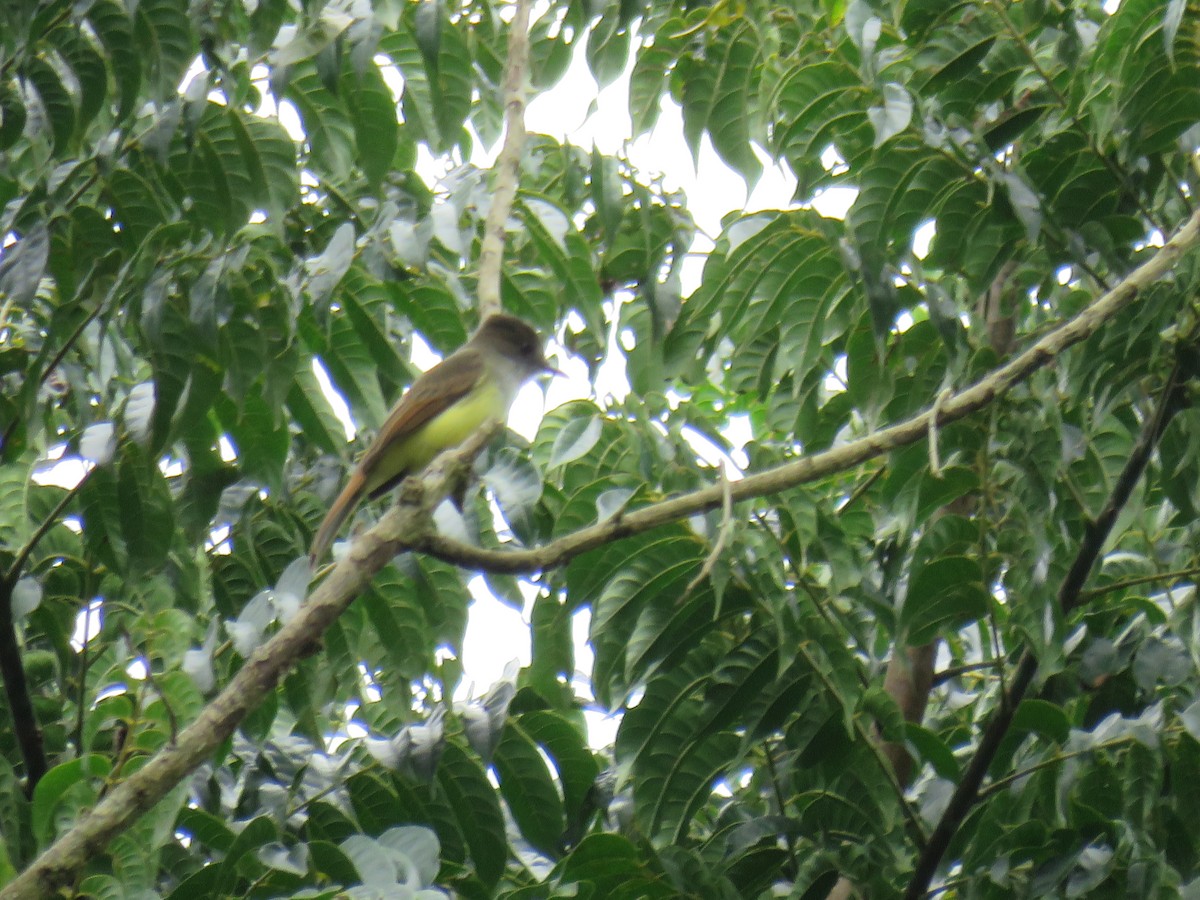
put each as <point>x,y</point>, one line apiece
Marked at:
<point>950,672</point>
<point>1001,783</point>
<point>16,689</point>
<point>722,535</point>
<point>150,680</point>
<point>85,663</point>
<point>16,686</point>
<point>1180,574</point>
<point>935,460</point>
<point>916,829</point>
<point>14,570</point>
<point>861,489</point>
<point>1082,130</point>
<point>773,773</point>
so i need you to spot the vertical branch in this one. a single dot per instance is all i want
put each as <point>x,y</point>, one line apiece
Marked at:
<point>16,691</point>
<point>1172,401</point>
<point>12,669</point>
<point>508,163</point>
<point>908,681</point>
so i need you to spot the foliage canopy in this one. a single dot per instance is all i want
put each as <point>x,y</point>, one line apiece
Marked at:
<point>174,261</point>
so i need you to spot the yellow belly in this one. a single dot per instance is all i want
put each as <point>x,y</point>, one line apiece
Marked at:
<point>448,429</point>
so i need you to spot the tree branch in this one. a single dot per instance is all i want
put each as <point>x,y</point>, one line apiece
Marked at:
<point>16,690</point>
<point>62,861</point>
<point>1183,575</point>
<point>908,680</point>
<point>407,526</point>
<point>821,465</point>
<point>22,557</point>
<point>1172,400</point>
<point>508,163</point>
<point>12,668</point>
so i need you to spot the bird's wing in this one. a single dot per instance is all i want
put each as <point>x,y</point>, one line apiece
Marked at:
<point>430,394</point>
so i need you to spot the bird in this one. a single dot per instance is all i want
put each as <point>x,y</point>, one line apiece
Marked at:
<point>473,386</point>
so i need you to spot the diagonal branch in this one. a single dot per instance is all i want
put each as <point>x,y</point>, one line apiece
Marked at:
<point>1070,596</point>
<point>407,526</point>
<point>508,163</point>
<point>65,858</point>
<point>821,465</point>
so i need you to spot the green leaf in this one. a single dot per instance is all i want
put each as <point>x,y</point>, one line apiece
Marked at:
<point>478,809</point>
<point>89,70</point>
<point>24,264</point>
<point>398,622</point>
<point>259,435</point>
<point>114,28</point>
<point>139,201</point>
<point>718,96</point>
<point>818,103</point>
<point>256,834</point>
<point>146,511</point>
<point>56,101</point>
<point>567,256</point>
<point>894,115</point>
<point>270,158</point>
<point>165,40</point>
<point>768,270</point>
<point>529,790</point>
<point>610,865</point>
<point>944,595</point>
<point>575,440</point>
<point>1043,718</point>
<point>327,123</point>
<point>63,793</point>
<point>933,750</point>
<point>307,403</point>
<point>566,745</point>
<point>651,69</point>
<point>608,49</point>
<point>374,114</point>
<point>12,117</point>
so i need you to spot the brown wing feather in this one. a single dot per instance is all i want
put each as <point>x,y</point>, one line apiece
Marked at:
<point>341,507</point>
<point>430,394</point>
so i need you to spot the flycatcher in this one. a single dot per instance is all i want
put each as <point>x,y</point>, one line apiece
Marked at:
<point>474,385</point>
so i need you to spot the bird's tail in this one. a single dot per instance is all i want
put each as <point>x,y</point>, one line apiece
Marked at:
<point>341,508</point>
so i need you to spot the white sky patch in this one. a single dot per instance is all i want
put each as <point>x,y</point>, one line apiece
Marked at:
<point>496,635</point>
<point>713,454</point>
<point>923,237</point>
<point>217,540</point>
<point>88,623</point>
<point>836,381</point>
<point>65,473</point>
<point>601,725</point>
<point>340,409</point>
